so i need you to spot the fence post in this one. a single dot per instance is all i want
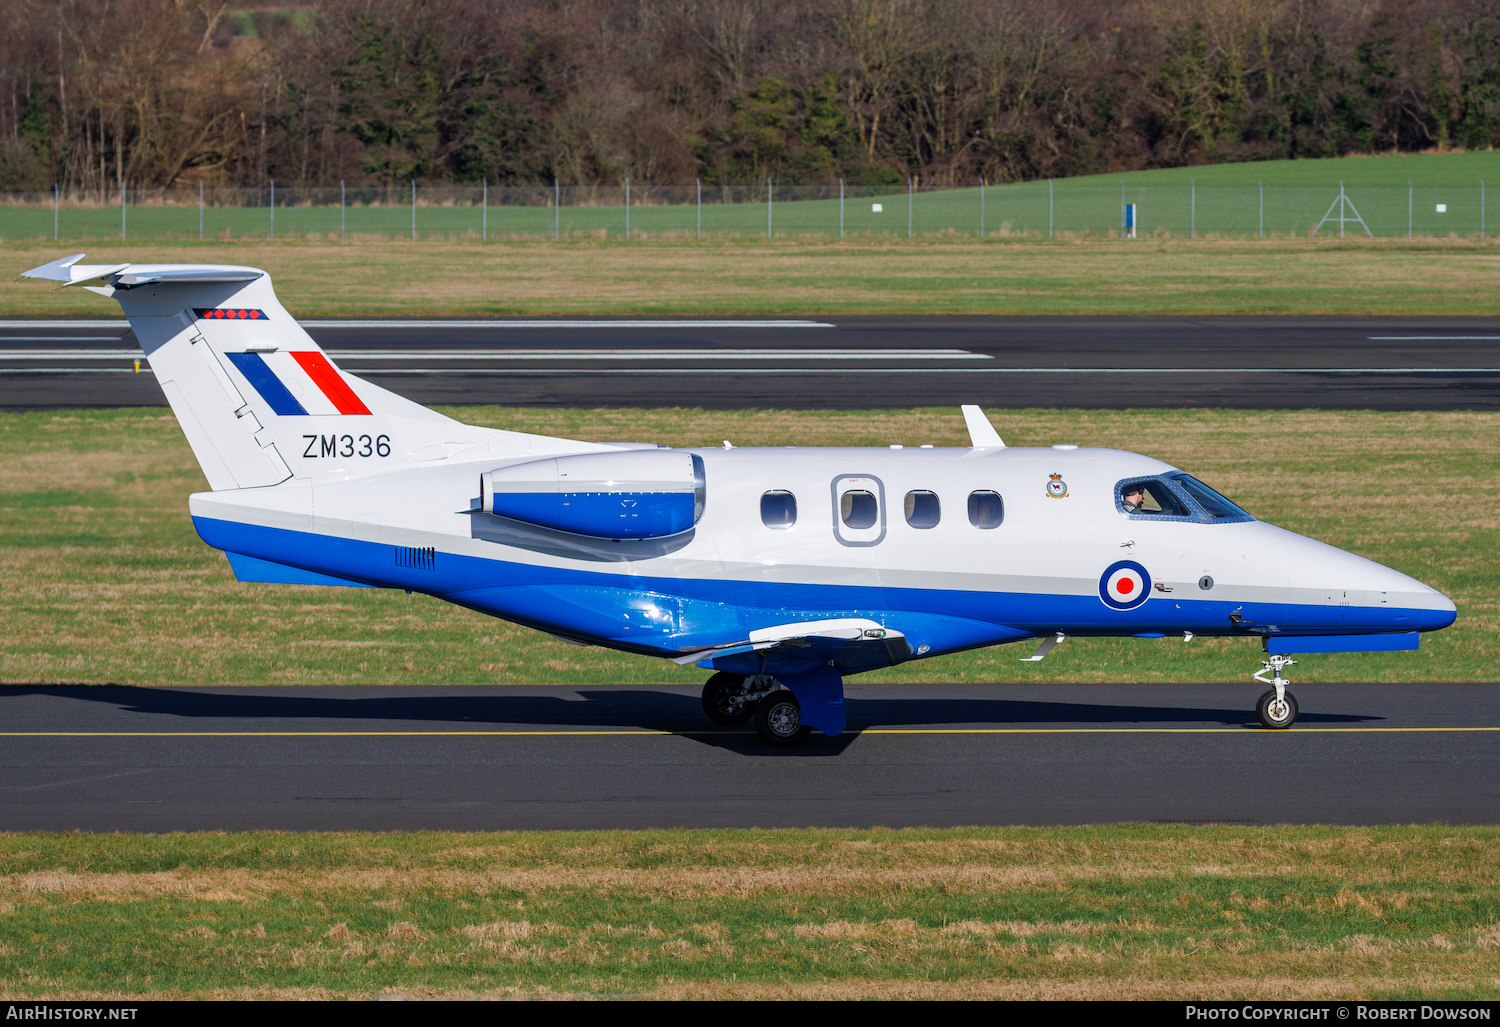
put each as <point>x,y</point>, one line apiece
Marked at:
<point>981,207</point>
<point>1408,208</point>
<point>484,212</point>
<point>699,183</point>
<point>1049,208</point>
<point>1192,209</point>
<point>55,192</point>
<point>200,210</point>
<point>841,208</point>
<point>273,208</point>
<point>908,206</point>
<point>1261,231</point>
<point>1122,208</point>
<point>627,208</point>
<point>341,208</point>
<point>556,209</point>
<point>1341,208</point>
<point>770,189</point>
<point>122,211</point>
<point>414,208</point>
<point>1481,208</point>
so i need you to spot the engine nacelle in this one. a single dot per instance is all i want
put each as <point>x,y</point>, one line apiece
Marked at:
<point>632,494</point>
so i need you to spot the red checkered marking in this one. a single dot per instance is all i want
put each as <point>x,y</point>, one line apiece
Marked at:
<point>229,314</point>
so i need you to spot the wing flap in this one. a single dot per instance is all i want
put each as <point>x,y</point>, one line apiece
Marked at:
<point>814,641</point>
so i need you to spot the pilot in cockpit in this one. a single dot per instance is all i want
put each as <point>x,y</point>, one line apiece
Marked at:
<point>1131,497</point>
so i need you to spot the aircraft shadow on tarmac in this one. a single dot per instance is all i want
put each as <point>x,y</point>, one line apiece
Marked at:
<point>619,708</point>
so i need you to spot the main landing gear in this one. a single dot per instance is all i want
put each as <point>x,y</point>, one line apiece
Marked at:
<point>733,699</point>
<point>1277,709</point>
<point>730,699</point>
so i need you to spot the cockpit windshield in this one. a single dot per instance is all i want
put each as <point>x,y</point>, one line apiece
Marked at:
<point>1151,498</point>
<point>1215,505</point>
<point>1176,497</point>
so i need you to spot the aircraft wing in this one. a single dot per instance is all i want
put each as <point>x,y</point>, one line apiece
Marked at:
<point>814,641</point>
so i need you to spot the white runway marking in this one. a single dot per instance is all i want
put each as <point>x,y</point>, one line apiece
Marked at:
<point>102,325</point>
<point>662,354</point>
<point>528,371</point>
<point>551,354</point>
<point>926,370</point>
<point>1433,338</point>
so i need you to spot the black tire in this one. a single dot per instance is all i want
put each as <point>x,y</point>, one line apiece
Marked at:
<point>778,720</point>
<point>1271,717</point>
<point>725,700</point>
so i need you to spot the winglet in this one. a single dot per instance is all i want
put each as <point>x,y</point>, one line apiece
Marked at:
<point>982,434</point>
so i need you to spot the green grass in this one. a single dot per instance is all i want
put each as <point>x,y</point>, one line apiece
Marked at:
<point>103,580</point>
<point>812,277</point>
<point>1133,912</point>
<point>1227,201</point>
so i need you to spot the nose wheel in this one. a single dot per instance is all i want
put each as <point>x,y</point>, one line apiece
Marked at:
<point>1277,709</point>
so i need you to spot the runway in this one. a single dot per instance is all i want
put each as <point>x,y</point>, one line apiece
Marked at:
<point>106,758</point>
<point>837,363</point>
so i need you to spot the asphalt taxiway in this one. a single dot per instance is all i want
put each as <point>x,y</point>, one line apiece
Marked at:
<point>837,363</point>
<point>104,758</point>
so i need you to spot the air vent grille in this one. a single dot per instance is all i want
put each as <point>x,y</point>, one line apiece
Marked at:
<point>421,557</point>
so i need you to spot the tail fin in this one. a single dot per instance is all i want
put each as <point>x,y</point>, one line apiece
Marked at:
<point>258,399</point>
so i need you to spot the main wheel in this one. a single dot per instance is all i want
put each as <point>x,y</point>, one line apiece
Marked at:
<point>726,700</point>
<point>1278,716</point>
<point>778,720</point>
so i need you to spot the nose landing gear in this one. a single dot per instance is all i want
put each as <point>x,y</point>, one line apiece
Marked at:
<point>1277,709</point>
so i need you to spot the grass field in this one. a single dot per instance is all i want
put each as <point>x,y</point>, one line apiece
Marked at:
<point>1133,912</point>
<point>103,580</point>
<point>1425,195</point>
<point>1142,278</point>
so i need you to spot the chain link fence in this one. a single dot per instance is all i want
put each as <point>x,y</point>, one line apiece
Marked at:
<point>1034,209</point>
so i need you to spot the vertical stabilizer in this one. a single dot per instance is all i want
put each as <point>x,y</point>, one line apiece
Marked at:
<point>258,399</point>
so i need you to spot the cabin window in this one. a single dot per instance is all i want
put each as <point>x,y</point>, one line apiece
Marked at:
<point>778,509</point>
<point>858,509</point>
<point>923,509</point>
<point>986,509</point>
<point>1214,505</point>
<point>1151,498</point>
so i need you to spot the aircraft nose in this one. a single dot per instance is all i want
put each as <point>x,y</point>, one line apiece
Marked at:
<point>1440,614</point>
<point>1421,606</point>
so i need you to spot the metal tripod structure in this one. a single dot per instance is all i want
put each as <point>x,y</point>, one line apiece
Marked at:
<point>1345,207</point>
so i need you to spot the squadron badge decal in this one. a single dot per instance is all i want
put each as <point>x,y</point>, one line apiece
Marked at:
<point>1057,488</point>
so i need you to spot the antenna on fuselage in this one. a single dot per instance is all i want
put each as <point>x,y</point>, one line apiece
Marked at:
<point>982,434</point>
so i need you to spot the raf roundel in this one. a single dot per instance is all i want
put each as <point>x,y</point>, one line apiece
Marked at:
<point>1124,585</point>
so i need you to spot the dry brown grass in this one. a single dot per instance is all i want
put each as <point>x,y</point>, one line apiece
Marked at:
<point>819,276</point>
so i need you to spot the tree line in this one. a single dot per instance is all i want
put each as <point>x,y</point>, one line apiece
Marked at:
<point>96,93</point>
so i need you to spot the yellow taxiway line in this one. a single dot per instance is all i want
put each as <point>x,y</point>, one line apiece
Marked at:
<point>865,731</point>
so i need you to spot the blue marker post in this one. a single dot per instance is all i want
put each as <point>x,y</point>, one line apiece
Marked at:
<point>1130,221</point>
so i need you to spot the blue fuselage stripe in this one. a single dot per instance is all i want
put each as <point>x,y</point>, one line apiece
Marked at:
<point>645,613</point>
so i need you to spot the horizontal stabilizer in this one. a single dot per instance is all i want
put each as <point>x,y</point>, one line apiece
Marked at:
<point>128,276</point>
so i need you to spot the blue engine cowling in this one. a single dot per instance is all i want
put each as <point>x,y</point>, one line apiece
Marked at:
<point>632,494</point>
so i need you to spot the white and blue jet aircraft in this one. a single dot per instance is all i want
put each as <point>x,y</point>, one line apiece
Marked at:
<point>783,570</point>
